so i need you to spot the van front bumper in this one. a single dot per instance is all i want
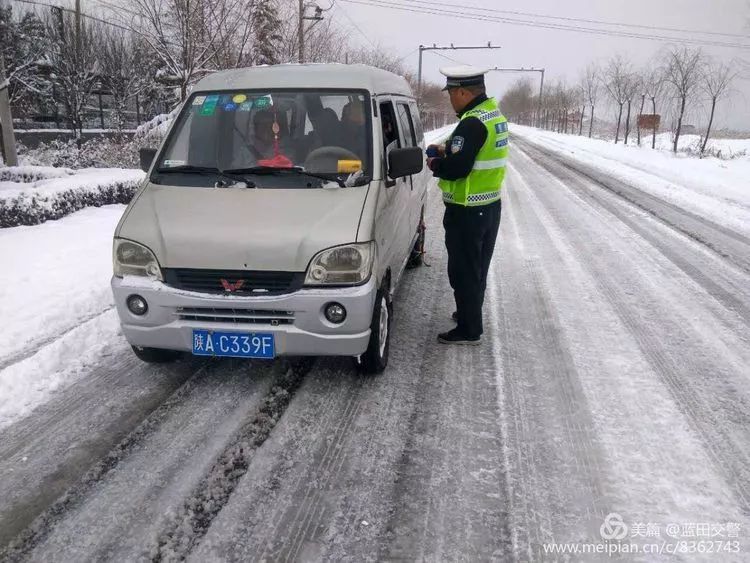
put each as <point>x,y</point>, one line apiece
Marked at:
<point>296,319</point>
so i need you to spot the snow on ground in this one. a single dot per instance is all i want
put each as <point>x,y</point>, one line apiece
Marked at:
<point>723,148</point>
<point>55,277</point>
<point>88,179</point>
<point>709,187</point>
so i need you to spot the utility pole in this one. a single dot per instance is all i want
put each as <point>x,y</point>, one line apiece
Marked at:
<point>6,120</point>
<point>78,30</point>
<point>452,47</point>
<point>301,25</point>
<point>301,31</point>
<point>541,82</point>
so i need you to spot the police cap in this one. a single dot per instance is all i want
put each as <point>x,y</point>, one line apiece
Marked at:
<point>463,76</point>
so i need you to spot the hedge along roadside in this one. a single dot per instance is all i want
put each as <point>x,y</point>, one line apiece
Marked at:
<point>35,203</point>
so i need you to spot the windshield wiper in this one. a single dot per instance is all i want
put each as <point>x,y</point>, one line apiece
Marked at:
<point>295,169</point>
<point>207,171</point>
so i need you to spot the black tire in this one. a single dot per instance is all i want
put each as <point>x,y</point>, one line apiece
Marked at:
<point>156,355</point>
<point>375,358</point>
<point>416,258</point>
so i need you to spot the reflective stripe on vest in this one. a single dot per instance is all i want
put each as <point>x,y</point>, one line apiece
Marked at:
<point>483,183</point>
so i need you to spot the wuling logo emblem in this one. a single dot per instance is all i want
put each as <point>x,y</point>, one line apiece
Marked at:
<point>230,287</point>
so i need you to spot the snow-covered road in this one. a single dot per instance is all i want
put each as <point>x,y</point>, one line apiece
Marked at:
<point>613,378</point>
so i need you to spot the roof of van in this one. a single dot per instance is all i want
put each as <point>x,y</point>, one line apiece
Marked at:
<point>329,75</point>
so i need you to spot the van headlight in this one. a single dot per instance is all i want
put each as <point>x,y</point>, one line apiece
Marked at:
<point>349,264</point>
<point>133,259</point>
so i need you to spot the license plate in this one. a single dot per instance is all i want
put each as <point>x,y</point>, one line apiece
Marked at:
<point>233,344</point>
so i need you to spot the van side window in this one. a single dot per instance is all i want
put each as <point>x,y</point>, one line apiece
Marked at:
<point>390,129</point>
<point>417,120</point>
<point>406,125</point>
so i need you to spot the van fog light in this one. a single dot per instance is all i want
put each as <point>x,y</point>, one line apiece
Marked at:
<point>137,305</point>
<point>335,313</point>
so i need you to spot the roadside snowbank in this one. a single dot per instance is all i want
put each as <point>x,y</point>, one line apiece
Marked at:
<point>38,194</point>
<point>716,189</point>
<point>54,278</point>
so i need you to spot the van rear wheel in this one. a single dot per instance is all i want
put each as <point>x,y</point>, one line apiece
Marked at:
<point>155,355</point>
<point>375,358</point>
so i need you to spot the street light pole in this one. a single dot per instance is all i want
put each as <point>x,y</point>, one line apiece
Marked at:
<point>541,82</point>
<point>452,47</point>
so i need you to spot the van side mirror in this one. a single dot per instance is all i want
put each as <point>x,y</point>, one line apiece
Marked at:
<point>405,162</point>
<point>147,157</point>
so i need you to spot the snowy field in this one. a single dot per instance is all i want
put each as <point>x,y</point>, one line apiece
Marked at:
<point>612,379</point>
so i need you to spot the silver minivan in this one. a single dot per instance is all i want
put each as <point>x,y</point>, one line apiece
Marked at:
<point>276,218</point>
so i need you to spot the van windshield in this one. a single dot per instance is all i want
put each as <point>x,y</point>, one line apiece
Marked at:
<point>266,136</point>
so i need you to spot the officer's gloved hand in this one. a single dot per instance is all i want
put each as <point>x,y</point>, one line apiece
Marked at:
<point>435,151</point>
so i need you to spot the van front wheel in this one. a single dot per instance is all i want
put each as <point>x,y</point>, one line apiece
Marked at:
<point>375,358</point>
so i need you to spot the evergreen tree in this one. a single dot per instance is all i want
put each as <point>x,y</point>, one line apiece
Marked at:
<point>267,32</point>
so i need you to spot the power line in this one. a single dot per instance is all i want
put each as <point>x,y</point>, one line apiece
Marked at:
<point>580,20</point>
<point>448,58</point>
<point>70,11</point>
<point>340,7</point>
<point>526,23</point>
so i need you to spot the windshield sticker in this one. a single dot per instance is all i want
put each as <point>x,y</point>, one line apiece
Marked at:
<point>262,103</point>
<point>231,106</point>
<point>349,166</point>
<point>212,99</point>
<point>173,163</point>
<point>246,106</point>
<point>208,108</point>
<point>198,101</point>
<point>239,98</point>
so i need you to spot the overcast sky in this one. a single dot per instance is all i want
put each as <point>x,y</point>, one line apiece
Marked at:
<point>561,53</point>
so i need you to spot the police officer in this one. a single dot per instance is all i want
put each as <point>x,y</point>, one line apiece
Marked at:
<point>471,169</point>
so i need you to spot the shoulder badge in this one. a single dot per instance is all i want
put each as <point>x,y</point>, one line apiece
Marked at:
<point>457,144</point>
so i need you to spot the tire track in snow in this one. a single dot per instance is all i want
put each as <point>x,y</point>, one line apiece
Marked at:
<point>43,525</point>
<point>187,528</point>
<point>712,394</point>
<point>725,242</point>
<point>555,461</point>
<point>729,289</point>
<point>49,451</point>
<point>330,481</point>
<point>36,345</point>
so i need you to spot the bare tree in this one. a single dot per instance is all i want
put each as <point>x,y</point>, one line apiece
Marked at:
<point>193,37</point>
<point>591,90</point>
<point>653,88</point>
<point>74,60</point>
<point>123,73</point>
<point>632,86</point>
<point>683,72</point>
<point>716,81</point>
<point>616,81</point>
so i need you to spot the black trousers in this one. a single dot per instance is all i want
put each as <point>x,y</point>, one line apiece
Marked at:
<point>470,234</point>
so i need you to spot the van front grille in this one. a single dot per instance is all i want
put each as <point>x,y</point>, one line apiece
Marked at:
<point>237,316</point>
<point>235,282</point>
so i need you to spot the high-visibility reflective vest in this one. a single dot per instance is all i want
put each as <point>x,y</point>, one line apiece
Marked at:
<point>482,185</point>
